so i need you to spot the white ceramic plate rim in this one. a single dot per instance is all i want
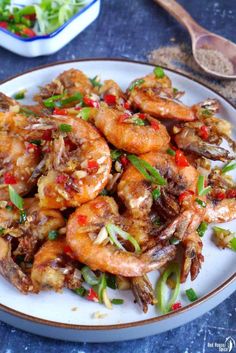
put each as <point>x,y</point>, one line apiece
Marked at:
<point>173,314</point>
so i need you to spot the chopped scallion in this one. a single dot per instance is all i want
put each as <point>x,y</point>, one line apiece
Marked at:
<point>65,127</point>
<point>89,276</point>
<point>159,72</point>
<point>95,81</point>
<point>2,230</point>
<point>202,191</point>
<point>113,230</point>
<point>192,296</point>
<point>201,203</point>
<point>117,301</point>
<point>171,152</point>
<point>23,216</point>
<point>233,244</point>
<point>174,241</point>
<point>115,154</point>
<point>146,170</point>
<point>81,291</point>
<point>15,198</point>
<point>50,102</point>
<point>20,95</point>
<point>36,142</point>
<point>156,194</point>
<point>111,281</point>
<point>228,167</point>
<point>202,228</point>
<point>135,84</point>
<point>76,97</point>
<point>164,304</point>
<point>84,113</point>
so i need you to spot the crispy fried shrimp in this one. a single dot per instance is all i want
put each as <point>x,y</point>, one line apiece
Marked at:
<point>124,131</point>
<point>53,269</point>
<point>204,138</point>
<point>11,271</point>
<point>71,81</point>
<point>193,257</point>
<point>112,88</point>
<point>154,96</point>
<point>136,192</point>
<point>28,235</point>
<point>77,167</point>
<point>220,211</point>
<point>18,159</point>
<point>108,258</point>
<point>8,104</point>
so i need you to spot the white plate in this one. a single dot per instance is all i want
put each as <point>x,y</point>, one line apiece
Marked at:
<point>50,43</point>
<point>51,314</point>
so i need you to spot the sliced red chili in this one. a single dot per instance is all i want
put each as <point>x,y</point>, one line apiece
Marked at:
<point>47,135</point>
<point>61,179</point>
<point>124,161</point>
<point>203,132</point>
<point>127,105</point>
<point>180,159</point>
<point>90,102</point>
<point>32,148</point>
<point>68,251</point>
<point>92,295</point>
<point>176,306</point>
<point>3,24</point>
<point>230,194</point>
<point>28,32</point>
<point>155,125</point>
<point>142,116</point>
<point>110,99</point>
<point>82,219</point>
<point>123,117</point>
<point>58,111</point>
<point>9,179</point>
<point>185,194</point>
<point>93,166</point>
<point>220,195</point>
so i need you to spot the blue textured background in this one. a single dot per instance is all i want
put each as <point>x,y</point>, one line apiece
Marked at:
<point>131,29</point>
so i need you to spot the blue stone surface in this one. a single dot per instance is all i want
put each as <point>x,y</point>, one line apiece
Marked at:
<point>131,29</point>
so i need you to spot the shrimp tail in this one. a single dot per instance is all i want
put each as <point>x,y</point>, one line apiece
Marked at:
<point>143,292</point>
<point>159,256</point>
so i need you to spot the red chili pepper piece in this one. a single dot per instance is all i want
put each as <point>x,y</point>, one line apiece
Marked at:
<point>47,135</point>
<point>61,179</point>
<point>3,24</point>
<point>220,195</point>
<point>123,117</point>
<point>93,166</point>
<point>32,148</point>
<point>155,125</point>
<point>230,194</point>
<point>68,251</point>
<point>142,116</point>
<point>28,32</point>
<point>124,161</point>
<point>90,102</point>
<point>176,306</point>
<point>110,99</point>
<point>180,159</point>
<point>203,132</point>
<point>127,105</point>
<point>82,219</point>
<point>185,194</point>
<point>58,111</point>
<point>9,179</point>
<point>92,295</point>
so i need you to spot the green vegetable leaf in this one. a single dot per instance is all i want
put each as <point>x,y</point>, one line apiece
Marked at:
<point>65,127</point>
<point>159,72</point>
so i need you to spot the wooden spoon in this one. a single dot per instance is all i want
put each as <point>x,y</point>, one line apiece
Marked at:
<point>201,38</point>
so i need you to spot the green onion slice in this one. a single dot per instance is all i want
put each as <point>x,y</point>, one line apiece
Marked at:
<point>146,170</point>
<point>111,281</point>
<point>228,167</point>
<point>2,231</point>
<point>164,304</point>
<point>174,241</point>
<point>101,286</point>
<point>23,216</point>
<point>89,276</point>
<point>76,97</point>
<point>202,191</point>
<point>135,84</point>
<point>137,121</point>
<point>201,203</point>
<point>50,102</point>
<point>233,244</point>
<point>65,127</point>
<point>52,235</point>
<point>84,113</point>
<point>113,230</point>
<point>20,94</point>
<point>81,291</point>
<point>171,152</point>
<point>159,72</point>
<point>115,154</point>
<point>15,198</point>
<point>95,81</point>
<point>117,301</point>
<point>192,296</point>
<point>202,228</point>
<point>156,194</point>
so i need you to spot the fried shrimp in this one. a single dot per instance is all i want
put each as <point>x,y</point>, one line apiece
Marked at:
<point>154,96</point>
<point>77,167</point>
<point>18,159</point>
<point>20,240</point>
<point>53,269</point>
<point>82,231</point>
<point>71,81</point>
<point>124,131</point>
